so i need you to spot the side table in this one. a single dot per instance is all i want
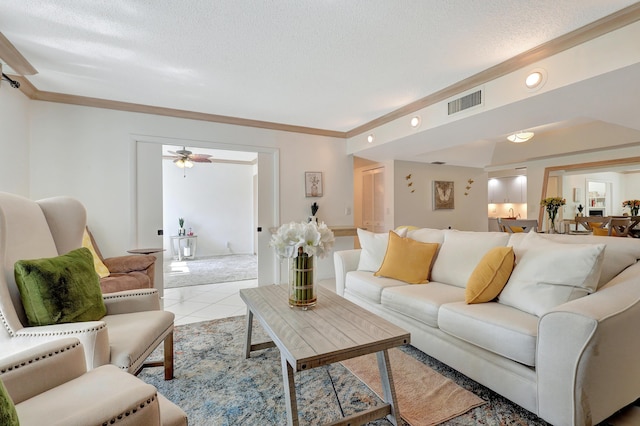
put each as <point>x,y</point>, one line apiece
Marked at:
<point>186,249</point>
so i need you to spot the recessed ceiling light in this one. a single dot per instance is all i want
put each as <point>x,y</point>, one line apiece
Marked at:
<point>415,121</point>
<point>536,79</point>
<point>520,137</point>
<point>370,138</point>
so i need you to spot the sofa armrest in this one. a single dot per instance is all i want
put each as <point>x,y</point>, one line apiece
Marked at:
<point>134,262</point>
<point>586,354</point>
<point>125,302</point>
<point>33,371</point>
<point>344,261</point>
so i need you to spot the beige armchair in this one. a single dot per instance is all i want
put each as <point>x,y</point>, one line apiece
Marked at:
<point>128,272</point>
<point>134,324</point>
<point>49,385</point>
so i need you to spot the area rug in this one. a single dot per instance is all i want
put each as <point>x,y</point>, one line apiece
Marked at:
<point>210,270</point>
<point>215,385</point>
<point>425,398</point>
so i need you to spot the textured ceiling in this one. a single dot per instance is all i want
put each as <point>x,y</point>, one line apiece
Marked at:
<point>331,65</point>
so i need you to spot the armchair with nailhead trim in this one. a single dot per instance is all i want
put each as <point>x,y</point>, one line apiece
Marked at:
<point>50,385</point>
<point>134,324</point>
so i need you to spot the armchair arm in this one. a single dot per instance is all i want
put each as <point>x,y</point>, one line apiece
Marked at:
<point>124,302</point>
<point>586,354</point>
<point>345,261</point>
<point>124,264</point>
<point>92,334</point>
<point>33,371</point>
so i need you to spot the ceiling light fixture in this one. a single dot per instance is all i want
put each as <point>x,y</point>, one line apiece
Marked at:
<point>520,137</point>
<point>182,163</point>
<point>370,138</point>
<point>415,121</point>
<point>536,79</point>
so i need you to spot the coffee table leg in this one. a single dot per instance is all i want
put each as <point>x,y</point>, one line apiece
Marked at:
<point>289,393</point>
<point>249,330</point>
<point>388,389</point>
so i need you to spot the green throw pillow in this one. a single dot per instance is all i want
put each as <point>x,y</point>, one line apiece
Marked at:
<point>8,415</point>
<point>60,289</point>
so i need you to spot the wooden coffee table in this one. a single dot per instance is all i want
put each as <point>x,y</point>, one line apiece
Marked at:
<point>332,331</point>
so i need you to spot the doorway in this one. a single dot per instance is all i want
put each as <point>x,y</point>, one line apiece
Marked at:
<point>147,201</point>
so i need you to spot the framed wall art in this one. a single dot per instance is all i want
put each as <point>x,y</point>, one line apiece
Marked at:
<point>313,184</point>
<point>443,195</point>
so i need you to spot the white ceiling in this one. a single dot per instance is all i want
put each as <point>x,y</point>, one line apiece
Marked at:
<point>332,65</point>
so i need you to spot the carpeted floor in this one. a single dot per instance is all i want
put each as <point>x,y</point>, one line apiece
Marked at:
<point>210,270</point>
<point>215,385</point>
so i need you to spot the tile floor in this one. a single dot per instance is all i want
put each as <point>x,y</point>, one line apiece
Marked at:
<point>211,301</point>
<point>206,302</point>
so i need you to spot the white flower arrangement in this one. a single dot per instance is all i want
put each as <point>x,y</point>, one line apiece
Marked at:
<point>293,239</point>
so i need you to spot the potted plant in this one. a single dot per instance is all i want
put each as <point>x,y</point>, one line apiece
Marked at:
<point>181,231</point>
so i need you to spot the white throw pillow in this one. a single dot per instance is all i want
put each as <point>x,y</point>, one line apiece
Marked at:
<point>548,274</point>
<point>374,247</point>
<point>461,252</point>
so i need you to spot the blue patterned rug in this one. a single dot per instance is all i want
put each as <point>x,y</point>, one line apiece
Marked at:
<point>215,385</point>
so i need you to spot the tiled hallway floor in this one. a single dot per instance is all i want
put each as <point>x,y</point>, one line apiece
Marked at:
<point>206,302</point>
<point>211,301</point>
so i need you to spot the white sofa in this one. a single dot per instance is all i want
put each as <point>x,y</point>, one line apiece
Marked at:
<point>572,364</point>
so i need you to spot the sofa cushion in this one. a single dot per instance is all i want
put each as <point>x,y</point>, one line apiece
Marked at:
<point>619,254</point>
<point>60,289</point>
<point>364,285</point>
<point>427,235</point>
<point>407,260</point>
<point>374,247</point>
<point>460,252</point>
<point>421,302</point>
<point>549,274</point>
<point>490,276</point>
<point>497,328</point>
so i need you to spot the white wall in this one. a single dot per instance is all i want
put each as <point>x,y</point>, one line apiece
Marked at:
<point>14,141</point>
<point>86,153</point>
<point>618,189</point>
<point>416,208</point>
<point>216,202</point>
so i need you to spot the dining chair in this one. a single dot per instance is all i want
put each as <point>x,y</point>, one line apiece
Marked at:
<point>517,225</point>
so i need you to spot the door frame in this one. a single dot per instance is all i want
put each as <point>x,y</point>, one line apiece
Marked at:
<point>268,207</point>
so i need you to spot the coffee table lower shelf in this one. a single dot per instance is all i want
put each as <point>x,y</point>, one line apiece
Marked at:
<point>333,331</point>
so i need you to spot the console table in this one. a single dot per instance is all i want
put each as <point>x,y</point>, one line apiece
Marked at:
<point>184,246</point>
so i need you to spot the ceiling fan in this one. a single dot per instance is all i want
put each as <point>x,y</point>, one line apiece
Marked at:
<point>184,158</point>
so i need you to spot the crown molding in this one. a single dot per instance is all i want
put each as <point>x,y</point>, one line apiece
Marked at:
<point>581,35</point>
<point>14,59</point>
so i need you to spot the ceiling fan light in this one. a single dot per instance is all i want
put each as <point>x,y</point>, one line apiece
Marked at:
<point>188,164</point>
<point>520,137</point>
<point>180,163</point>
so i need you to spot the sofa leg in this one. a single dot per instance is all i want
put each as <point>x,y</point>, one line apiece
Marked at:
<point>168,357</point>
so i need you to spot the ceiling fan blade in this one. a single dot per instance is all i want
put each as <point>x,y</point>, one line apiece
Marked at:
<point>200,158</point>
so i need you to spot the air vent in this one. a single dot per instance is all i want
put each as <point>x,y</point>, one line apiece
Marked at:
<point>465,102</point>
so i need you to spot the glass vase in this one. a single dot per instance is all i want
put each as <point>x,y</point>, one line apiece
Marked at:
<point>302,281</point>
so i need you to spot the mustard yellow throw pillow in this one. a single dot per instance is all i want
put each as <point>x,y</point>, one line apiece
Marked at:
<point>604,232</point>
<point>407,260</point>
<point>101,268</point>
<point>516,229</point>
<point>490,276</point>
